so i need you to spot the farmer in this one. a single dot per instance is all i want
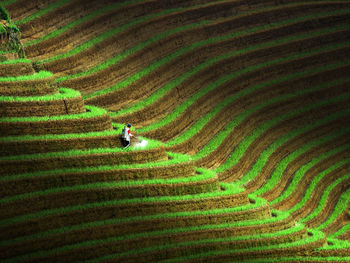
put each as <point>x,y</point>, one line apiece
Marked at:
<point>126,136</point>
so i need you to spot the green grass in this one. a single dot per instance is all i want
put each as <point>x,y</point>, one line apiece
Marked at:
<point>15,61</point>
<point>314,182</point>
<point>108,34</point>
<point>166,232</point>
<point>278,172</point>
<point>39,75</point>
<point>81,20</point>
<point>341,231</point>
<point>300,173</point>
<point>63,94</point>
<point>183,214</point>
<point>43,11</point>
<point>324,198</point>
<point>7,2</point>
<point>229,189</point>
<point>176,159</point>
<point>196,127</point>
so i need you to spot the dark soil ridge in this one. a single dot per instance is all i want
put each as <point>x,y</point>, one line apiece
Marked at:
<point>16,69</point>
<point>299,83</point>
<point>53,107</point>
<point>34,87</point>
<point>295,198</point>
<point>153,80</point>
<point>108,158</point>
<point>79,125</point>
<point>256,148</point>
<point>124,228</point>
<point>93,251</point>
<point>302,159</point>
<point>191,85</point>
<point>107,212</point>
<point>92,28</point>
<point>341,221</point>
<point>62,179</point>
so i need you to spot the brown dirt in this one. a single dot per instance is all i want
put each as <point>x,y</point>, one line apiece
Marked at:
<point>62,179</point>
<point>200,79</point>
<point>108,212</point>
<point>304,158</point>
<point>134,227</point>
<point>35,87</point>
<point>42,108</point>
<point>16,69</point>
<point>142,156</point>
<point>338,223</point>
<point>247,126</point>
<point>96,123</point>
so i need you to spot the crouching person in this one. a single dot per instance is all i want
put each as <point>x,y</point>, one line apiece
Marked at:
<point>126,135</point>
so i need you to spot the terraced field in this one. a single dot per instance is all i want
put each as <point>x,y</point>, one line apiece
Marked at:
<point>245,108</point>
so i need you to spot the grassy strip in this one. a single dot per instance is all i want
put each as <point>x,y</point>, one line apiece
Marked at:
<point>152,144</point>
<point>108,34</point>
<point>259,202</point>
<point>166,232</point>
<point>314,183</point>
<point>80,21</point>
<point>298,259</point>
<point>64,93</point>
<point>240,150</point>
<point>15,61</point>
<point>43,11</point>
<point>322,202</point>
<point>39,75</point>
<point>177,81</point>
<point>334,244</point>
<point>317,235</point>
<point>243,146</point>
<point>300,173</point>
<point>176,159</point>
<point>205,119</point>
<point>59,136</point>
<point>202,176</point>
<point>133,50</point>
<point>341,206</point>
<point>92,111</point>
<point>282,165</point>
<point>230,189</point>
<point>179,52</point>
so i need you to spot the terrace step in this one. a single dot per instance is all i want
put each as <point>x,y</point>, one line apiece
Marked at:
<point>79,158</point>
<point>18,67</point>
<point>66,102</point>
<point>92,120</point>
